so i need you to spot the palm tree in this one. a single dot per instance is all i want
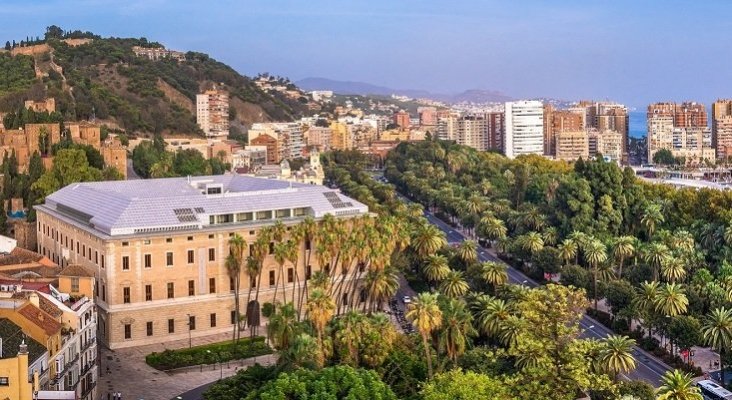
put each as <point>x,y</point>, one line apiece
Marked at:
<point>233,268</point>
<point>671,300</point>
<point>457,328</point>
<point>567,250</point>
<point>717,333</point>
<point>427,239</point>
<point>467,251</point>
<point>494,274</point>
<point>424,312</point>
<point>321,308</point>
<point>595,254</point>
<point>303,353</point>
<point>683,240</point>
<point>436,268</point>
<point>728,234</point>
<point>645,300</point>
<point>492,228</point>
<point>678,386</point>
<point>489,314</point>
<point>652,216</point>
<point>616,356</point>
<point>382,285</point>
<point>623,247</point>
<point>454,285</point>
<point>259,253</point>
<point>253,269</point>
<point>673,270</point>
<point>280,256</point>
<point>348,332</point>
<point>282,327</point>
<point>550,236</point>
<point>532,242</point>
<point>307,229</point>
<point>656,254</point>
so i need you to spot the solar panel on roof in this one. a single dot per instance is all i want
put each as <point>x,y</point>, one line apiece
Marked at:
<point>185,215</point>
<point>335,201</point>
<point>199,210</point>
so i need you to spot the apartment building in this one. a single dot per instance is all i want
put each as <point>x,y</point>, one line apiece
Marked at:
<point>557,121</point>
<point>212,112</point>
<point>287,135</point>
<point>681,129</point>
<point>158,53</point>
<point>722,128</point>
<point>609,143</point>
<point>157,247</point>
<point>402,119</point>
<point>571,145</point>
<point>524,128</point>
<point>481,131</point>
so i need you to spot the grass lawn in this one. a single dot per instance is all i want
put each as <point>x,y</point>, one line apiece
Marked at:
<point>208,354</point>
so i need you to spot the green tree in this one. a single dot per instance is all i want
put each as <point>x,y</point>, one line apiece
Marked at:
<point>678,386</point>
<point>456,329</point>
<point>454,285</point>
<point>328,383</point>
<point>616,355</point>
<point>69,166</point>
<point>424,312</point>
<point>465,385</point>
<point>664,157</point>
<point>717,333</point>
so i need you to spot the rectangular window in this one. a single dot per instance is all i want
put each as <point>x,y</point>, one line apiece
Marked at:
<point>146,242</point>
<point>190,238</point>
<point>264,215</point>
<point>307,244</point>
<point>253,282</point>
<point>104,293</point>
<point>213,320</point>
<point>192,322</point>
<point>102,260</point>
<point>169,258</point>
<point>171,290</point>
<point>211,236</point>
<point>126,294</point>
<point>191,288</point>
<point>168,240</point>
<point>75,285</point>
<point>96,257</point>
<point>212,285</point>
<point>233,317</point>
<point>243,217</point>
<point>308,272</point>
<point>290,275</point>
<point>125,244</point>
<point>171,325</point>
<point>125,263</point>
<point>149,328</point>
<point>231,284</point>
<point>271,278</point>
<point>148,292</point>
<point>211,254</point>
<point>190,256</point>
<point>284,213</point>
<point>299,212</point>
<point>148,260</point>
<point>271,247</point>
<point>4,381</point>
<point>128,331</point>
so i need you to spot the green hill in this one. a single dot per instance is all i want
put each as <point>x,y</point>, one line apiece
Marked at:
<point>106,80</point>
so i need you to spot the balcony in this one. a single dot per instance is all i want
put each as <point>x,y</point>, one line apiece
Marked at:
<point>85,391</point>
<point>88,344</point>
<point>88,366</point>
<point>71,362</point>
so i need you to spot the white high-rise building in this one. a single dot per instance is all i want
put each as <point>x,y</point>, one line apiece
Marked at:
<point>524,128</point>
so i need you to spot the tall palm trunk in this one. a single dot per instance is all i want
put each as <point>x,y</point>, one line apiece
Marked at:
<point>235,334</point>
<point>254,329</point>
<point>249,298</point>
<point>594,283</point>
<point>620,267</point>
<point>304,293</point>
<point>425,343</point>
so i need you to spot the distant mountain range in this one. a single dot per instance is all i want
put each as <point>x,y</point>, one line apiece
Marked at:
<point>362,88</point>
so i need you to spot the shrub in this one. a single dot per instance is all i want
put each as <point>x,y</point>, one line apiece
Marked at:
<point>208,354</point>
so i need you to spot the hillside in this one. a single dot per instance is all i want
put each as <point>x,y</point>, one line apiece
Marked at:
<point>102,78</point>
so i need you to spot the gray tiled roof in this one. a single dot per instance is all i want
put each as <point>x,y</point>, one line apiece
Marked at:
<point>121,207</point>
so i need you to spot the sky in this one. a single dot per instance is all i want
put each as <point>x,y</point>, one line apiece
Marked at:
<point>634,52</point>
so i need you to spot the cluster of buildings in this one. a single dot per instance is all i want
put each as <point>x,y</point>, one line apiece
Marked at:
<point>682,129</point>
<point>158,53</point>
<point>39,138</point>
<point>48,327</point>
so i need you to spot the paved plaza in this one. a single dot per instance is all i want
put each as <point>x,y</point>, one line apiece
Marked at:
<point>135,380</point>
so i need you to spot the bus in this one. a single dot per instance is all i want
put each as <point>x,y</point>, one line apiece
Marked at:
<point>712,391</point>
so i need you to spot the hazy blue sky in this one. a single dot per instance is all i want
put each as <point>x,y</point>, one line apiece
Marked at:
<point>631,51</point>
